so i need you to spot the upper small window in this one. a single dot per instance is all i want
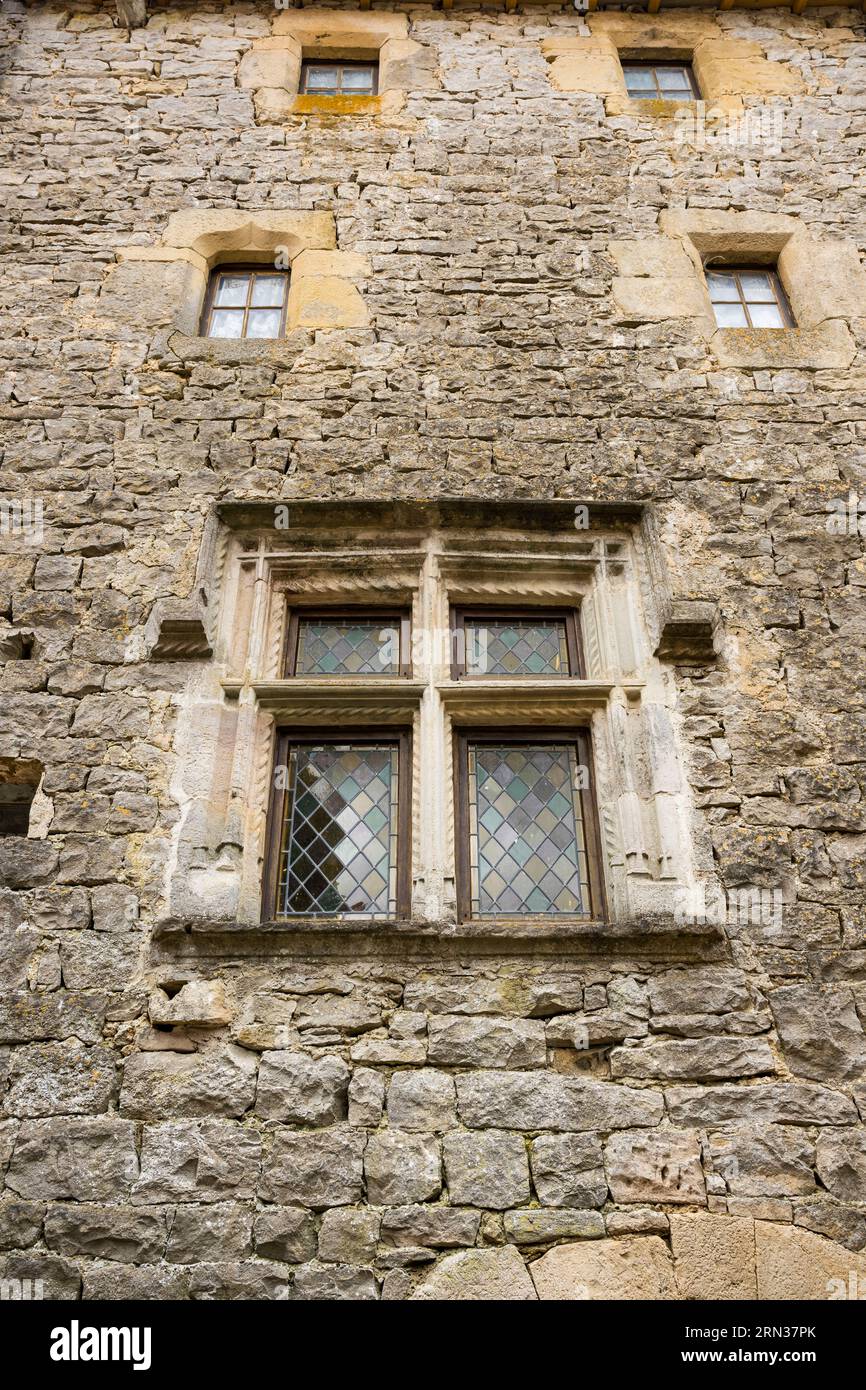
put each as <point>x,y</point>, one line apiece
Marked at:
<point>246,302</point>
<point>19,780</point>
<point>749,298</point>
<point>661,81</point>
<point>527,643</point>
<point>338,78</point>
<point>348,643</point>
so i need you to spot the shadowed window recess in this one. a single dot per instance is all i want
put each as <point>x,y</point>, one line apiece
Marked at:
<point>336,78</point>
<point>528,835</point>
<point>19,780</point>
<point>348,644</point>
<point>515,644</point>
<point>246,302</point>
<point>342,826</point>
<point>661,81</point>
<point>750,297</point>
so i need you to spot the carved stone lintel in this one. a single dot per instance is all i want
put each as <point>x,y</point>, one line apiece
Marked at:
<point>177,631</point>
<point>688,631</point>
<point>131,14</point>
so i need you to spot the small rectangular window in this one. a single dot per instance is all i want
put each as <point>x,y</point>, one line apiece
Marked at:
<point>19,779</point>
<point>246,303</point>
<point>661,81</point>
<point>527,839</point>
<point>348,643</point>
<point>338,78</point>
<point>744,297</point>
<point>339,838</point>
<point>525,642</point>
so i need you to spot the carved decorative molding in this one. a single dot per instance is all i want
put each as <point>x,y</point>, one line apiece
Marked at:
<point>532,702</point>
<point>333,700</point>
<point>177,632</point>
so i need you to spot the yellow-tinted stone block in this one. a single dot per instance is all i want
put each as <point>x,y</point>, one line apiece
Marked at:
<point>324,301</point>
<point>645,299</point>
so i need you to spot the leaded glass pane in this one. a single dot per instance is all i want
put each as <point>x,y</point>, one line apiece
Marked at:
<point>527,853</point>
<point>339,841</point>
<point>343,647</point>
<point>519,647</point>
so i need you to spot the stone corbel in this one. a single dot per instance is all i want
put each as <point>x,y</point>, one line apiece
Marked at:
<point>176,631</point>
<point>688,632</point>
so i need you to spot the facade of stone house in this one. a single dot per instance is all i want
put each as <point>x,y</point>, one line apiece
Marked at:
<point>433,741</point>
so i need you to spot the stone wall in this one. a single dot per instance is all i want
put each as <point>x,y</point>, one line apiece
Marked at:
<point>217,1113</point>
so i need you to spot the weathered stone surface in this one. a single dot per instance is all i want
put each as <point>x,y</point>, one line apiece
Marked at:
<point>78,1158</point>
<point>783,1102</point>
<point>40,1017</point>
<point>60,1079</point>
<point>636,1221</point>
<point>422,1100</point>
<point>44,1276</point>
<point>538,1226</point>
<point>634,1267</point>
<point>201,1233</point>
<point>655,1166</point>
<point>487,1169</point>
<point>349,1236</point>
<point>795,1264</point>
<point>567,1170</point>
<point>284,1233</point>
<point>26,863</point>
<point>160,1085</point>
<point>204,1161</point>
<point>401,1167</point>
<point>841,1164</point>
<point>127,1234</point>
<point>712,990</point>
<point>486,1042</point>
<point>435,1226</point>
<point>845,1225</point>
<point>317,1169</point>
<point>200,1002</point>
<point>250,1280</point>
<point>714,1256</point>
<point>329,1282</point>
<point>367,1097</point>
<point>20,1223</point>
<point>151,1283</point>
<point>472,1276</point>
<point>820,1032</point>
<point>765,1161</point>
<point>300,1089</point>
<point>542,1100</point>
<point>707,1059</point>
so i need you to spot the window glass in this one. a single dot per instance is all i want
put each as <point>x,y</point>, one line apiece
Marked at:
<point>348,647</point>
<point>336,78</point>
<point>748,299</point>
<point>527,852</point>
<point>246,304</point>
<point>665,81</point>
<point>338,850</point>
<point>516,647</point>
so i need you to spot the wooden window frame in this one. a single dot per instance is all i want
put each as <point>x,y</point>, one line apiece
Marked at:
<point>570,616</point>
<point>652,64</point>
<point>242,269</point>
<point>781,299</point>
<point>340,64</point>
<point>350,613</point>
<point>287,737</point>
<point>581,738</point>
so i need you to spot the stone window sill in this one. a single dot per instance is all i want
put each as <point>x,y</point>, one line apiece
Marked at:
<point>655,108</point>
<point>542,701</point>
<point>828,346</point>
<point>334,699</point>
<point>241,352</point>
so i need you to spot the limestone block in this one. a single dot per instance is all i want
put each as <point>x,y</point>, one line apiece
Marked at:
<point>217,1231</point>
<point>201,1161</point>
<point>225,232</point>
<point>567,1170</point>
<point>829,346</point>
<point>345,265</point>
<point>765,1161</point>
<point>367,1097</point>
<point>28,1017</point>
<point>271,62</point>
<point>349,1235</point>
<point>332,1282</point>
<point>584,65</point>
<point>160,1085</point>
<point>423,1100</point>
<point>351,33</point>
<point>644,299</point>
<point>487,1169</point>
<point>437,1227</point>
<point>634,1267</point>
<point>486,1042</point>
<point>655,1166</point>
<point>315,1169</point>
<point>635,35</point>
<point>60,1078</point>
<point>285,1233</point>
<point>820,1032</point>
<point>298,1089</point>
<point>782,1102</point>
<point>80,1158</point>
<point>824,279</point>
<point>656,256</point>
<point>401,1167</point>
<point>735,67</point>
<point>325,301</point>
<point>704,1059</point>
<point>714,1256</point>
<point>795,1264</point>
<point>715,989</point>
<point>841,1163</point>
<point>473,1276</point>
<point>537,1226</point>
<point>107,1233</point>
<point>201,1003</point>
<point>546,1101</point>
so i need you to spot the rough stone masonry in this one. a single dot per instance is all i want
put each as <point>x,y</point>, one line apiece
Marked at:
<point>242,1113</point>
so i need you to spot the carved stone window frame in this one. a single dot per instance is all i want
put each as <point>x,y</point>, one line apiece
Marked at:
<point>428,558</point>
